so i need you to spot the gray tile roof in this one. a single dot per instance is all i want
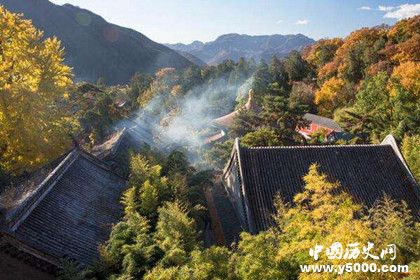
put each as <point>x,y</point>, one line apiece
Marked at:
<point>323,121</point>
<point>72,211</point>
<point>366,172</point>
<point>226,214</point>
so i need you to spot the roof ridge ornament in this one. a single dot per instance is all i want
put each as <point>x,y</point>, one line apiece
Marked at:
<point>227,120</point>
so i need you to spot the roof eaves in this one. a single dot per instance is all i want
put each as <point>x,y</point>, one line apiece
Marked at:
<point>312,146</point>
<point>8,238</point>
<point>248,211</point>
<point>390,140</point>
<point>231,159</point>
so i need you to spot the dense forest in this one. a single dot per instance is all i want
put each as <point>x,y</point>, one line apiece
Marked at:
<point>368,82</point>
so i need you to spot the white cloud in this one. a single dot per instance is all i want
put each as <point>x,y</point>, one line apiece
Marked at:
<point>404,11</point>
<point>279,21</point>
<point>365,8</point>
<point>386,8</point>
<point>302,22</point>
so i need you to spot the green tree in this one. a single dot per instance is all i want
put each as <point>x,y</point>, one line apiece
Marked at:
<point>205,264</point>
<point>261,138</point>
<point>256,258</point>
<point>176,162</point>
<point>355,66</point>
<point>148,189</point>
<point>175,234</point>
<point>130,251</point>
<point>378,111</point>
<point>392,223</point>
<point>303,94</point>
<point>323,214</point>
<point>139,83</point>
<point>283,118</point>
<point>296,67</point>
<point>218,155</point>
<point>261,79</point>
<point>244,122</point>
<point>190,78</point>
<point>139,171</point>
<point>278,73</point>
<point>411,151</point>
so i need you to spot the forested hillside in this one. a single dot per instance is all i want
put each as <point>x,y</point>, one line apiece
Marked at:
<point>369,81</point>
<point>95,48</point>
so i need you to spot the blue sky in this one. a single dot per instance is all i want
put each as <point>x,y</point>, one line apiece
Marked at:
<point>171,21</point>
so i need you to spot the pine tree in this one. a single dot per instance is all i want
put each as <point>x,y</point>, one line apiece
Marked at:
<point>296,68</point>
<point>278,72</point>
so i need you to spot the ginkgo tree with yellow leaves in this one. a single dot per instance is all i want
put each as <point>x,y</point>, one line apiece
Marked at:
<point>33,85</point>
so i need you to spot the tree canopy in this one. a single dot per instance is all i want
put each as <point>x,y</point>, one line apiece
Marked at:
<point>33,81</point>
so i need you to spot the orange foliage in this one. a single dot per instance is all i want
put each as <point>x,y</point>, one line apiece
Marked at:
<point>404,29</point>
<point>329,69</point>
<point>408,74</point>
<point>367,34</point>
<point>408,50</point>
<point>365,53</point>
<point>381,66</point>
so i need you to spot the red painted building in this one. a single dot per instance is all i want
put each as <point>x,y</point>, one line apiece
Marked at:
<point>316,123</point>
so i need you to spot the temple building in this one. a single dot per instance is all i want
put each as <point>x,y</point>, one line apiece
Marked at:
<point>254,176</point>
<point>64,211</point>
<point>316,123</point>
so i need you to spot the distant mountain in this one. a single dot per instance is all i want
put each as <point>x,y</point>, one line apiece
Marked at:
<point>234,46</point>
<point>192,58</point>
<point>94,47</point>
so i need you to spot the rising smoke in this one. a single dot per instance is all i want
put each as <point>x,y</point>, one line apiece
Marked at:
<point>190,123</point>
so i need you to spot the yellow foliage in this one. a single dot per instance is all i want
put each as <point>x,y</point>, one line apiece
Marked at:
<point>408,74</point>
<point>366,34</point>
<point>164,83</point>
<point>326,96</point>
<point>323,214</point>
<point>176,90</point>
<point>33,79</point>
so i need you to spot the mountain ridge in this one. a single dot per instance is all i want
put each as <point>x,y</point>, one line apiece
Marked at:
<point>234,45</point>
<point>94,47</point>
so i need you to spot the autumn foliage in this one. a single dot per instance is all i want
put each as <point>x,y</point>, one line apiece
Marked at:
<point>33,80</point>
<point>345,68</point>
